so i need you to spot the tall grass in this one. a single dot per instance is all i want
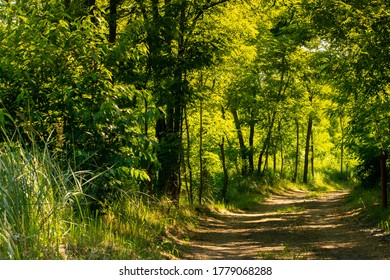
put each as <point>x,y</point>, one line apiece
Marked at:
<point>36,197</point>
<point>44,214</point>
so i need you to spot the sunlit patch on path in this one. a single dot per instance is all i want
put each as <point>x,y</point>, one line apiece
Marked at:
<point>291,226</point>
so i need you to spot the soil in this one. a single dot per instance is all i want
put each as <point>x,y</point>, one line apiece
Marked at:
<point>294,225</point>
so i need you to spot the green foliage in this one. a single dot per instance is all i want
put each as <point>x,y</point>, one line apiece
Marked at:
<point>358,56</point>
<point>55,82</point>
<point>116,87</point>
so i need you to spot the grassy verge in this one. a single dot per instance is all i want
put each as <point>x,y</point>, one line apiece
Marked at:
<point>44,214</point>
<point>245,193</point>
<point>368,201</point>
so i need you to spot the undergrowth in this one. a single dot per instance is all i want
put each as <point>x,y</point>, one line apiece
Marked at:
<point>44,214</point>
<point>368,201</point>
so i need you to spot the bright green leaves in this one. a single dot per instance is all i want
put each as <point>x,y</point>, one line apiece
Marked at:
<point>56,77</point>
<point>358,36</point>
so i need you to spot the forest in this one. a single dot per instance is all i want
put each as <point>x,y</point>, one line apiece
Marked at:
<point>125,122</point>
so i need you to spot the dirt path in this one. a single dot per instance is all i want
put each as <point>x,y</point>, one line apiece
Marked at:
<point>292,226</point>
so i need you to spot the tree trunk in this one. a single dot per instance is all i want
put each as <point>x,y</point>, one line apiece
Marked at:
<point>225,171</point>
<point>266,144</point>
<point>342,146</point>
<point>296,152</point>
<point>201,154</point>
<point>189,167</point>
<point>281,161</point>
<point>112,21</point>
<point>307,150</point>
<point>250,152</point>
<point>312,154</point>
<point>243,150</point>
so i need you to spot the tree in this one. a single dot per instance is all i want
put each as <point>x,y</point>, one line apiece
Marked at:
<point>175,49</point>
<point>357,34</point>
<point>58,88</point>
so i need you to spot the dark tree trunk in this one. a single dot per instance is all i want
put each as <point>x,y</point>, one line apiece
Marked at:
<point>189,167</point>
<point>167,46</point>
<point>112,20</point>
<point>383,158</point>
<point>224,167</point>
<point>225,171</point>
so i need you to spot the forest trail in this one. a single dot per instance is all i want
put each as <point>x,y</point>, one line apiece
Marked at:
<point>290,226</point>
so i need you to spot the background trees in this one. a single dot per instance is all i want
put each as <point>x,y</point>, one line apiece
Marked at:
<point>358,36</point>
<point>171,95</point>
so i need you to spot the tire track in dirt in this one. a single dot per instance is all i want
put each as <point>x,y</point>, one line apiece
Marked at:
<point>289,226</point>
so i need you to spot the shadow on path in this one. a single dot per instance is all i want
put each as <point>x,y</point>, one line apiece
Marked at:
<point>291,226</point>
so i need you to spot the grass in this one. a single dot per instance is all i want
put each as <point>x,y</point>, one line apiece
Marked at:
<point>244,193</point>
<point>44,214</point>
<point>368,201</point>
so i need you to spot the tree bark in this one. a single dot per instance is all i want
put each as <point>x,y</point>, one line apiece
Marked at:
<point>341,146</point>
<point>201,154</point>
<point>307,149</point>
<point>266,144</point>
<point>312,154</point>
<point>250,152</point>
<point>243,149</point>
<point>189,167</point>
<point>112,21</point>
<point>225,171</point>
<point>294,179</point>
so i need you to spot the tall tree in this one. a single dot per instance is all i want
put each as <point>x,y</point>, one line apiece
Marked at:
<point>174,50</point>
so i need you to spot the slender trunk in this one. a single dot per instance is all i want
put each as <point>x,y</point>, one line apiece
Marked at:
<point>225,171</point>
<point>224,167</point>
<point>189,167</point>
<point>266,144</point>
<point>383,158</point>
<point>312,154</point>
<point>266,159</point>
<point>201,154</point>
<point>307,149</point>
<point>296,152</point>
<point>342,146</point>
<point>281,161</point>
<point>276,143</point>
<point>243,149</point>
<point>250,152</point>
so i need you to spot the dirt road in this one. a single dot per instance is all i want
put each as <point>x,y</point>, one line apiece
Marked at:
<point>290,226</point>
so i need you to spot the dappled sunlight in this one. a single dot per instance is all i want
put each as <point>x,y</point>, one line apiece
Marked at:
<point>286,227</point>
